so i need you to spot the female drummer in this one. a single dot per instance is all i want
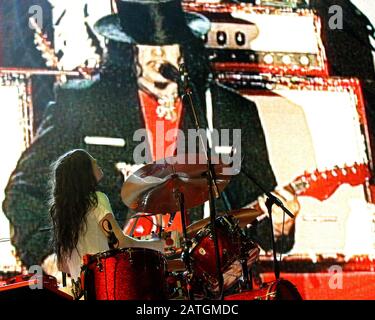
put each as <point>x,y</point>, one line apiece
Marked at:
<point>83,221</point>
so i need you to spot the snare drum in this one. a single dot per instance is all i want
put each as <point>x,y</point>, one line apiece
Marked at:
<point>124,274</point>
<point>202,254</point>
<point>276,290</point>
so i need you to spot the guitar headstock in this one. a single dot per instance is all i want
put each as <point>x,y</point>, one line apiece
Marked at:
<point>322,184</point>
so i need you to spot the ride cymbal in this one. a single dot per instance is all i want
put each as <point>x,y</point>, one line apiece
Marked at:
<point>154,188</point>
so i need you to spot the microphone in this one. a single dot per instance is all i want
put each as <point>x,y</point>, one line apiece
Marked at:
<point>170,72</point>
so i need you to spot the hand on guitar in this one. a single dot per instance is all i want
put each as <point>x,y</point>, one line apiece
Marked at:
<point>289,198</point>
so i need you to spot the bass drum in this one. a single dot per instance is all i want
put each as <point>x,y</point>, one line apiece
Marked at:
<point>276,290</point>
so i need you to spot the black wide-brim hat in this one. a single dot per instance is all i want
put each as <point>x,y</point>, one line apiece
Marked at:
<point>152,22</point>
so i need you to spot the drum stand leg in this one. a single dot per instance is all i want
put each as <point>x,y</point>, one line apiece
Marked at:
<point>64,279</point>
<point>247,283</point>
<point>187,244</point>
<point>257,280</point>
<point>271,200</point>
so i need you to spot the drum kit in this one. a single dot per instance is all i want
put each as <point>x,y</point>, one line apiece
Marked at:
<point>206,270</point>
<point>216,254</point>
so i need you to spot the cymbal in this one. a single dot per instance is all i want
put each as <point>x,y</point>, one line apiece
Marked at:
<point>244,216</point>
<point>153,188</point>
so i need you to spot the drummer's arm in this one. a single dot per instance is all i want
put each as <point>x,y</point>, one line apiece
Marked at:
<point>124,241</point>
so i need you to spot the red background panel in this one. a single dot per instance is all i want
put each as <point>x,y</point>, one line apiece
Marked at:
<point>315,286</point>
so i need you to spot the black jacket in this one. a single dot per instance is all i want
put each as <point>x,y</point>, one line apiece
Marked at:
<point>111,109</point>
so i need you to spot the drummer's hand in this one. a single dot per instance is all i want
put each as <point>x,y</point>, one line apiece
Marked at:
<point>290,200</point>
<point>127,169</point>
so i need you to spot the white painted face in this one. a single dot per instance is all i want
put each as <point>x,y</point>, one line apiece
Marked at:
<point>149,60</point>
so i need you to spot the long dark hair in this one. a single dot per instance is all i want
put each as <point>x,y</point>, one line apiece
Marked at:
<point>72,195</point>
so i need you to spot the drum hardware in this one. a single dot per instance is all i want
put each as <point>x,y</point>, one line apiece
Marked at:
<point>212,183</point>
<point>129,250</point>
<point>247,277</point>
<point>63,279</point>
<point>175,288</point>
<point>79,287</point>
<point>179,289</point>
<point>186,243</point>
<point>247,282</point>
<point>99,265</point>
<point>203,252</point>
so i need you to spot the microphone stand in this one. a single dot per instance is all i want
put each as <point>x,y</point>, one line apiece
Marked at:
<point>271,200</point>
<point>211,179</point>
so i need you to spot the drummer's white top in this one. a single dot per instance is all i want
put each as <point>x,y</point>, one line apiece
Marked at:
<point>93,240</point>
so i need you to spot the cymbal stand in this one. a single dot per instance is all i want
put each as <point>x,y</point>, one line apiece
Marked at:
<point>211,179</point>
<point>187,244</point>
<point>247,282</point>
<point>276,262</point>
<point>271,200</point>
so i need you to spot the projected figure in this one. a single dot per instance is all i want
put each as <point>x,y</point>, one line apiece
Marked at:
<point>102,115</point>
